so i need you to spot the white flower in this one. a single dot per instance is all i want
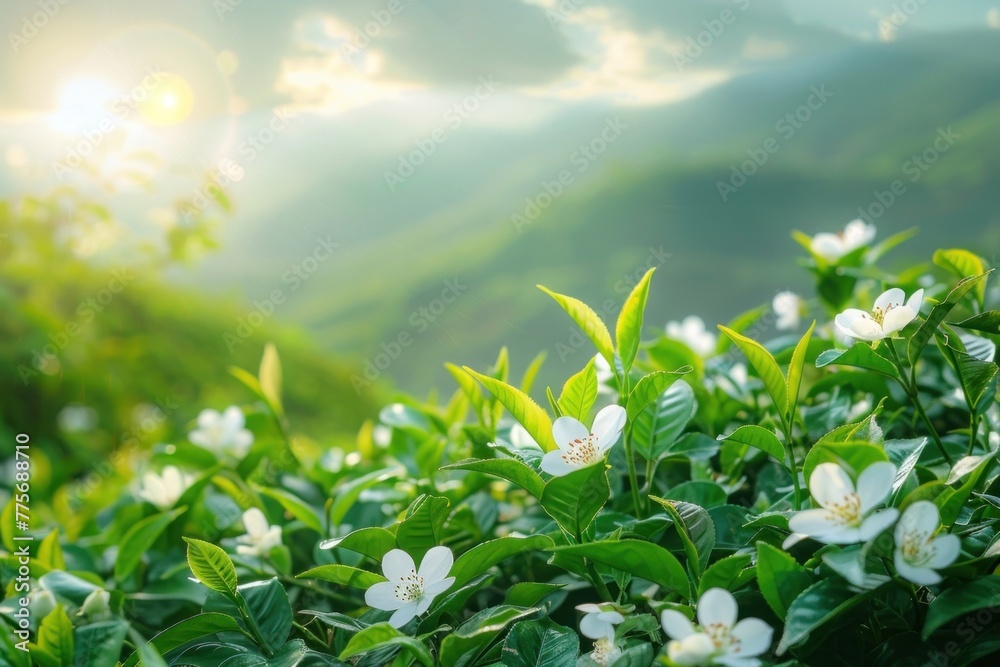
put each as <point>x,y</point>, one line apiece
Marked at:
<point>599,620</point>
<point>605,651</point>
<point>788,306</point>
<point>165,489</point>
<point>888,316</point>
<point>410,591</point>
<point>222,432</point>
<point>580,447</point>
<point>41,602</point>
<point>845,515</point>
<point>692,333</point>
<point>918,552</point>
<point>598,623</point>
<point>721,640</point>
<point>260,538</point>
<point>832,247</point>
<point>96,606</point>
<point>77,418</point>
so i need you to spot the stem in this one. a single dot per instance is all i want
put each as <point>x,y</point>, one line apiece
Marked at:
<point>633,479</point>
<point>794,467</point>
<point>595,577</point>
<point>910,387</point>
<point>649,483</point>
<point>248,618</point>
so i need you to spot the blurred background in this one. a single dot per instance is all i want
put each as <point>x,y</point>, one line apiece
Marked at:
<point>378,185</point>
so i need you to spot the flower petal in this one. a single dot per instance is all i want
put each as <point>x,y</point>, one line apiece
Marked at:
<point>874,484</point>
<point>828,246</point>
<point>946,550</point>
<point>692,651</point>
<point>829,484</point>
<point>439,587</point>
<point>897,318</point>
<point>233,418</point>
<point>893,297</point>
<point>255,522</point>
<point>436,564</point>
<point>877,522</point>
<point>397,564</point>
<point>922,516</point>
<point>593,627</point>
<point>755,636</point>
<point>208,418</point>
<point>608,425</point>
<point>867,329</point>
<point>554,464</point>
<point>717,605</point>
<point>922,576</point>
<point>916,301</point>
<point>383,596</point>
<point>820,524</point>
<point>566,429</point>
<point>424,603</point>
<point>676,624</point>
<point>845,321</point>
<point>589,608</point>
<point>403,615</point>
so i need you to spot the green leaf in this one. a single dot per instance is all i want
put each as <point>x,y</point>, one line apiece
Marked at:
<point>346,494</point>
<point>780,577</point>
<point>978,377</point>
<point>795,367</point>
<point>463,646</point>
<point>55,638</point>
<point>291,504</point>
<point>531,416</point>
<point>579,393</point>
<point>269,377</point>
<point>861,355</point>
<point>509,469</point>
<point>926,330</point>
<point>765,365</point>
<point>66,585</point>
<point>705,494</point>
<point>469,387</point>
<point>270,610</point>
<point>574,500</point>
<point>211,566</point>
<point>888,244</point>
<point>961,600</point>
<point>99,644</point>
<point>372,542</point>
<point>729,573</point>
<point>816,606</point>
<point>650,388</point>
<point>760,438</point>
<point>139,538</point>
<point>951,501</point>
<point>529,593</point>
<point>962,263</point>
<point>640,559</point>
<point>49,552</point>
<point>655,431</point>
<point>383,635</point>
<point>343,575</point>
<point>540,643</point>
<point>590,323</point>
<point>187,631</point>
<point>482,557</point>
<point>988,322</point>
<point>695,529</point>
<point>628,331</point>
<point>423,528</point>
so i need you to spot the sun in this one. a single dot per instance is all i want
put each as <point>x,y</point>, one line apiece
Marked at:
<point>168,101</point>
